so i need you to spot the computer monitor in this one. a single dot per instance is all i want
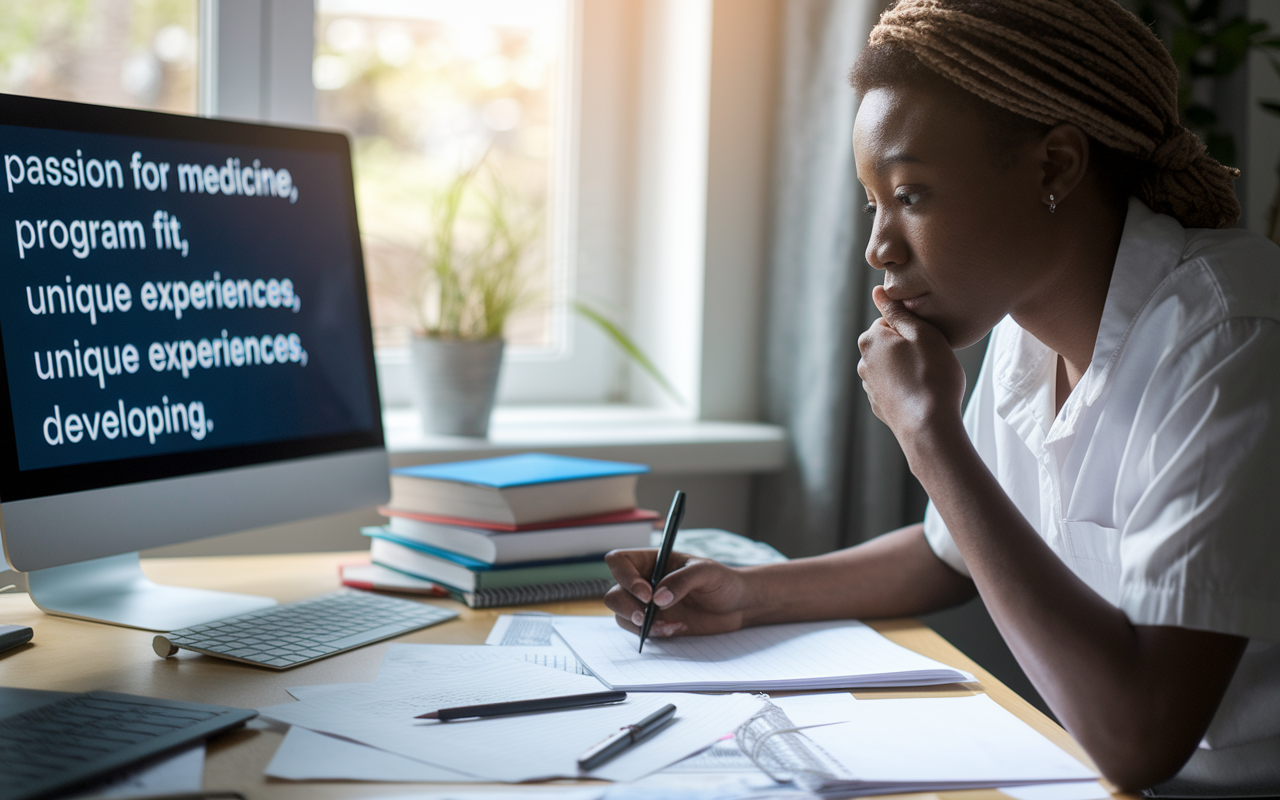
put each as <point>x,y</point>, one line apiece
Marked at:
<point>186,347</point>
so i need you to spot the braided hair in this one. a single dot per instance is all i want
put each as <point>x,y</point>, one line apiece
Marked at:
<point>1087,62</point>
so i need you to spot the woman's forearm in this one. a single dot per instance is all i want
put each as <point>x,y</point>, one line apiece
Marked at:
<point>893,575</point>
<point>1138,698</point>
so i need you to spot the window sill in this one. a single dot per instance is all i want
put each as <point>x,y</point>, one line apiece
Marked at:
<point>669,444</point>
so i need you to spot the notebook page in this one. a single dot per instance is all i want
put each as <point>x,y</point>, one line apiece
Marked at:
<point>798,656</point>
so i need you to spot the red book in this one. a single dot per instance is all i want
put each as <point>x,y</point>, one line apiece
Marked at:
<point>613,517</point>
<point>374,577</point>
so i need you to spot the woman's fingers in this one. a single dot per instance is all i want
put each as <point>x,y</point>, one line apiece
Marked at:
<point>695,575</point>
<point>622,602</point>
<point>629,614</point>
<point>632,569</point>
<point>697,595</point>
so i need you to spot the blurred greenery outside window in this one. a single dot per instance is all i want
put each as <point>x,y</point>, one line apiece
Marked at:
<point>425,89</point>
<point>133,53</point>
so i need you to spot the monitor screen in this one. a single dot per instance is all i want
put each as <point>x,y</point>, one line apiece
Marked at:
<point>188,300</point>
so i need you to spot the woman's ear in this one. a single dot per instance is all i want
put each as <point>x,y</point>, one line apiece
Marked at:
<point>1064,154</point>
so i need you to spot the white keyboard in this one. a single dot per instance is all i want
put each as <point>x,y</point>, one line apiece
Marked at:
<point>286,636</point>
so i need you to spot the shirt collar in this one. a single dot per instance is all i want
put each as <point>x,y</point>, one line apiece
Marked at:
<point>1150,246</point>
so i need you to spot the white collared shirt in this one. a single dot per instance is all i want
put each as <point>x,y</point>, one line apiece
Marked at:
<point>1158,483</point>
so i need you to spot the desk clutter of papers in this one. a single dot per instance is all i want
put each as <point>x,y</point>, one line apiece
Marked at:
<point>740,744</point>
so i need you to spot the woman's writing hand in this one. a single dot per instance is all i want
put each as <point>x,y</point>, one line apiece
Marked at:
<point>697,596</point>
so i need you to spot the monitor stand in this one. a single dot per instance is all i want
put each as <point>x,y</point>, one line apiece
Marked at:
<point>114,590</point>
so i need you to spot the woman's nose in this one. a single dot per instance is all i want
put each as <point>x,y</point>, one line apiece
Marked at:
<point>885,249</point>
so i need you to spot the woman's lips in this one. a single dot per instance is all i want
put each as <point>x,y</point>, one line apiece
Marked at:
<point>913,303</point>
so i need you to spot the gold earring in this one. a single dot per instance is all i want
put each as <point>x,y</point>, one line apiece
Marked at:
<point>1053,205</point>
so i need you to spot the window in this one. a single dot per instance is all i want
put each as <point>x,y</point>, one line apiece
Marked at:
<point>655,170</point>
<point>426,90</point>
<point>135,53</point>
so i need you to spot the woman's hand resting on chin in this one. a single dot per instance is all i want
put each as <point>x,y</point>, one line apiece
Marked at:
<point>909,372</point>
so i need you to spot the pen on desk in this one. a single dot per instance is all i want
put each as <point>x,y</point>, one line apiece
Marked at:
<point>626,737</point>
<point>660,563</point>
<point>525,706</point>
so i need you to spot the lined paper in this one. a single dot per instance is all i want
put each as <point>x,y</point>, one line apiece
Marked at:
<point>809,655</point>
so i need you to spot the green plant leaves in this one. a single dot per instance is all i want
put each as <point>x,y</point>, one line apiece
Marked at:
<point>471,280</point>
<point>624,342</point>
<point>1205,46</point>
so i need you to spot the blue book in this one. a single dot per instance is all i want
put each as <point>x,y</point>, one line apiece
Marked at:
<point>516,490</point>
<point>521,470</point>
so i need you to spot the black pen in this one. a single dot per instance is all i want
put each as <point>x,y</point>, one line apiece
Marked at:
<point>660,563</point>
<point>525,706</point>
<point>626,737</point>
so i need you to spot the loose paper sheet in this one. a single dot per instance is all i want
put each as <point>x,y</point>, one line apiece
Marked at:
<point>171,774</point>
<point>946,740</point>
<point>672,786</point>
<point>524,793</point>
<point>809,655</point>
<point>409,661</point>
<point>527,630</point>
<point>1082,790</point>
<point>305,755</point>
<point>532,746</point>
<point>816,709</point>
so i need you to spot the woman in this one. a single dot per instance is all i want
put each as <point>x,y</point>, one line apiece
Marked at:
<point>1109,490</point>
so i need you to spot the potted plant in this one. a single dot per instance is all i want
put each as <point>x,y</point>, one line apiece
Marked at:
<point>469,282</point>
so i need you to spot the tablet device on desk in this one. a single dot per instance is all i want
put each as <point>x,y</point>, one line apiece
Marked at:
<point>53,741</point>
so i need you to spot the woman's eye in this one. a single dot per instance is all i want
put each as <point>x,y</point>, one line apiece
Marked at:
<point>907,198</point>
<point>869,208</point>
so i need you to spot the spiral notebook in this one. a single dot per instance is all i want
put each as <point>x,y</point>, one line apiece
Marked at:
<point>916,745</point>
<point>537,593</point>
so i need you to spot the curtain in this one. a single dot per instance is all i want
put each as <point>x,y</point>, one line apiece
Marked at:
<point>846,479</point>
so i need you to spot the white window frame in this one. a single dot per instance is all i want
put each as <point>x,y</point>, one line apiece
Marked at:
<point>661,202</point>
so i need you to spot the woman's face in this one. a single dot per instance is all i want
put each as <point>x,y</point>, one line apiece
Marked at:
<point>959,228</point>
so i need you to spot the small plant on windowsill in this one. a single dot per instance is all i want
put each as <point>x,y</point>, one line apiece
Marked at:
<point>470,280</point>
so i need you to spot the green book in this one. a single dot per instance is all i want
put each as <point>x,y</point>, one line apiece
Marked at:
<point>413,561</point>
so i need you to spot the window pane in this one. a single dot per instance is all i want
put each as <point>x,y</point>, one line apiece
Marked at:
<point>426,89</point>
<point>136,53</point>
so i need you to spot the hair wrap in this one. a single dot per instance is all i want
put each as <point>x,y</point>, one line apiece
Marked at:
<point>1087,62</point>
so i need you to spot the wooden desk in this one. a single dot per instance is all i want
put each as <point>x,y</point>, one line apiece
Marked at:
<point>76,656</point>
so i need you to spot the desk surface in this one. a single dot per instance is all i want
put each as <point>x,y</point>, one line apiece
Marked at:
<point>73,655</point>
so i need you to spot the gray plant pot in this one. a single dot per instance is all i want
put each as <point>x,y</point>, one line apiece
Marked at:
<point>454,383</point>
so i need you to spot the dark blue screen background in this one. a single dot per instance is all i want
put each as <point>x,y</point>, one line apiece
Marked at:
<point>310,242</point>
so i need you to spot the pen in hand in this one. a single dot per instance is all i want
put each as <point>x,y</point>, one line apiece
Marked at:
<point>660,563</point>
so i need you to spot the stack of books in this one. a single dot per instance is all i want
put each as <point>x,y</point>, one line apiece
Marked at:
<point>529,528</point>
